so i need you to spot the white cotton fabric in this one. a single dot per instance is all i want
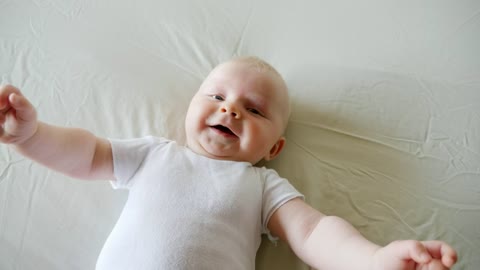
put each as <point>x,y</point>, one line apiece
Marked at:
<point>385,111</point>
<point>187,211</point>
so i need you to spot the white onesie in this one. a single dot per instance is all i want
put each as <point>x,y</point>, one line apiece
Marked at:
<point>187,211</point>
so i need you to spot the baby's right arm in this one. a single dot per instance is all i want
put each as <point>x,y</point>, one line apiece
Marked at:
<point>74,152</point>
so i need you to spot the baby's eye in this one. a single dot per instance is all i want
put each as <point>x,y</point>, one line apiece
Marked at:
<point>217,97</point>
<point>254,111</point>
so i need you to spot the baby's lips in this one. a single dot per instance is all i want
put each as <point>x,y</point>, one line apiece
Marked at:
<point>224,129</point>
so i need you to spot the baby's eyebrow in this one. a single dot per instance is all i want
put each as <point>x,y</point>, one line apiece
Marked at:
<point>259,102</point>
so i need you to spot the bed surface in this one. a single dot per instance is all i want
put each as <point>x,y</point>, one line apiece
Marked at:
<point>384,131</point>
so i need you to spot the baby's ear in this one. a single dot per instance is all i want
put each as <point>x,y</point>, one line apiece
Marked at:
<point>276,149</point>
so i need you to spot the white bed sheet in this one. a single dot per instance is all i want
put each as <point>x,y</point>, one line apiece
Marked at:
<point>385,128</point>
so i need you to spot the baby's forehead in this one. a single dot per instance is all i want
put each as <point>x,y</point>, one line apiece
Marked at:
<point>237,65</point>
<point>232,69</point>
<point>263,82</point>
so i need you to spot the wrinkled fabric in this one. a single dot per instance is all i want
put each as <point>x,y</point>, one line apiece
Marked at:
<point>186,211</point>
<point>384,129</point>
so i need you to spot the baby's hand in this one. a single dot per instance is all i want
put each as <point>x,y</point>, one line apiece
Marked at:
<point>415,255</point>
<point>18,118</point>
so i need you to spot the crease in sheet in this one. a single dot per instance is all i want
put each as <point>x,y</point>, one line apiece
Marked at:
<point>310,153</point>
<point>165,59</point>
<point>397,215</point>
<point>239,43</point>
<point>453,205</point>
<point>28,222</point>
<point>349,134</point>
<point>472,244</point>
<point>357,209</point>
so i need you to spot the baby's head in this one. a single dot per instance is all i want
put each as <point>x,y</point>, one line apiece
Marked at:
<point>239,113</point>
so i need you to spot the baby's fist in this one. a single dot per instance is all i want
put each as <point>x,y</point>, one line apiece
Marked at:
<point>415,255</point>
<point>18,118</point>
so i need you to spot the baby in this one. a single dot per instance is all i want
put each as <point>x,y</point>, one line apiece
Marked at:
<point>206,204</point>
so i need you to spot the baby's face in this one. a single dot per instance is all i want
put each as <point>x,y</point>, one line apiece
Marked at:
<point>238,113</point>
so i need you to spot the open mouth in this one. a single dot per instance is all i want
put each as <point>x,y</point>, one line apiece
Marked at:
<point>224,130</point>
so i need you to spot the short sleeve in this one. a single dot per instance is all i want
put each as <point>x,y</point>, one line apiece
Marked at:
<point>276,192</point>
<point>128,157</point>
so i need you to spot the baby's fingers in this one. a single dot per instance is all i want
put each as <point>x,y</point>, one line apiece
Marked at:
<point>5,92</point>
<point>24,110</point>
<point>416,251</point>
<point>12,98</point>
<point>409,250</point>
<point>442,251</point>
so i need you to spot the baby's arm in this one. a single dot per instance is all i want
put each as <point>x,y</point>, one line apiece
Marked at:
<point>329,242</point>
<point>74,152</point>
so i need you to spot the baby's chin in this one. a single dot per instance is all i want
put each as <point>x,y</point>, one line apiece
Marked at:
<point>219,153</point>
<point>209,151</point>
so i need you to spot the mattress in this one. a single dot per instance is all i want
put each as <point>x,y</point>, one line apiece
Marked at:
<point>384,130</point>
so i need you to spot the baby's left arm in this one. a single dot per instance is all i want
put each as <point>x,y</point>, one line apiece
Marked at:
<point>329,242</point>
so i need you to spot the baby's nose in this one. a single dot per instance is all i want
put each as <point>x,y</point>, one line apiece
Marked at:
<point>231,110</point>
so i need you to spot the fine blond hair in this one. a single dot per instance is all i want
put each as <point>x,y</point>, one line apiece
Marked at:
<point>256,63</point>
